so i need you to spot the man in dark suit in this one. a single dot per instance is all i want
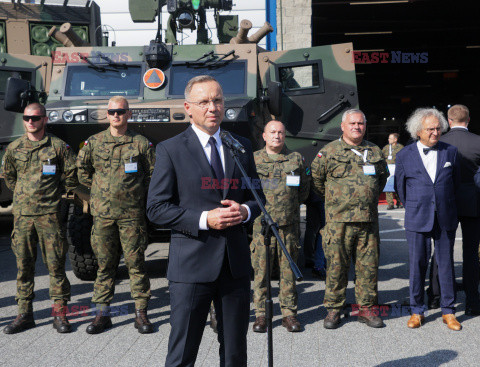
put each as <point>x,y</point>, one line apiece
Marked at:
<point>427,177</point>
<point>198,192</point>
<point>468,206</point>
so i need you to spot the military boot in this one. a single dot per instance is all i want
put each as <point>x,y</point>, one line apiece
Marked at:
<point>61,324</point>
<point>332,321</point>
<point>99,324</point>
<point>142,324</point>
<point>23,321</point>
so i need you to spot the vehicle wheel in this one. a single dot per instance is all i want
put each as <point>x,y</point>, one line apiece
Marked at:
<point>83,261</point>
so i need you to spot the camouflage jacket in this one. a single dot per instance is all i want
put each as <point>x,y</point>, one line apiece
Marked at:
<point>395,149</point>
<point>339,179</point>
<point>102,166</point>
<point>38,173</point>
<point>283,202</point>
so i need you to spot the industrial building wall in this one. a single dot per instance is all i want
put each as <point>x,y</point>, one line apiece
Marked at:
<point>115,16</point>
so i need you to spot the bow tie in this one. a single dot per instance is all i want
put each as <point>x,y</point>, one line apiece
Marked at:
<point>426,150</point>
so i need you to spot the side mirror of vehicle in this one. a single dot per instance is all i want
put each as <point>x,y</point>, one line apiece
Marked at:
<point>18,94</point>
<point>274,101</point>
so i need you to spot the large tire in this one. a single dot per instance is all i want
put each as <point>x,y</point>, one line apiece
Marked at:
<point>83,261</point>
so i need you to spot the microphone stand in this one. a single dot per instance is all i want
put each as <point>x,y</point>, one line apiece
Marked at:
<point>269,227</point>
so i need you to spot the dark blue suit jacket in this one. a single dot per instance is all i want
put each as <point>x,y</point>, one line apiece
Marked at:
<point>420,195</point>
<point>180,190</point>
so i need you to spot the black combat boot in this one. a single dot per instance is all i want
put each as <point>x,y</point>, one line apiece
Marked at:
<point>99,324</point>
<point>61,324</point>
<point>23,321</point>
<point>142,324</point>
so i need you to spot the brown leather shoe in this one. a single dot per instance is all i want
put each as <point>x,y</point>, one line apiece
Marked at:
<point>451,322</point>
<point>291,324</point>
<point>61,324</point>
<point>415,321</point>
<point>99,324</point>
<point>23,321</point>
<point>142,323</point>
<point>332,321</point>
<point>260,325</point>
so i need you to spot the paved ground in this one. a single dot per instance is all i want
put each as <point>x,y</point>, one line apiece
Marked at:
<point>353,344</point>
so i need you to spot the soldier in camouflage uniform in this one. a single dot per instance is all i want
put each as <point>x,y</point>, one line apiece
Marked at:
<point>286,185</point>
<point>117,165</point>
<point>390,153</point>
<point>38,168</point>
<point>350,173</point>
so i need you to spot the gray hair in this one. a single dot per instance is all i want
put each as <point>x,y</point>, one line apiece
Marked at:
<point>415,121</point>
<point>196,80</point>
<point>353,111</point>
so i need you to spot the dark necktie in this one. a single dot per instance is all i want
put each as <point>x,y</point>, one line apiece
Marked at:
<point>215,160</point>
<point>426,150</point>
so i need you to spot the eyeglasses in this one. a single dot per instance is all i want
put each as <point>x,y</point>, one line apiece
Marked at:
<point>432,129</point>
<point>218,102</point>
<point>35,118</point>
<point>118,111</point>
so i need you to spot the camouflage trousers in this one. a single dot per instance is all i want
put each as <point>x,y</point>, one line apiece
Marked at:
<point>288,292</point>
<point>344,241</point>
<point>49,232</point>
<point>109,238</point>
<point>390,196</point>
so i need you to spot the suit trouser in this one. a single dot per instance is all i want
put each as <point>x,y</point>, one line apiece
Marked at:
<point>419,247</point>
<point>190,303</point>
<point>471,265</point>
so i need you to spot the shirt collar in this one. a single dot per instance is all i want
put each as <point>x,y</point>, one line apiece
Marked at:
<point>421,146</point>
<point>203,136</point>
<point>459,127</point>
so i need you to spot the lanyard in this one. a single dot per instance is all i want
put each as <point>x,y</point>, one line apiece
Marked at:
<point>364,156</point>
<point>390,149</point>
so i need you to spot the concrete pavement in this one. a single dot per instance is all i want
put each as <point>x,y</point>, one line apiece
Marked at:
<point>353,344</point>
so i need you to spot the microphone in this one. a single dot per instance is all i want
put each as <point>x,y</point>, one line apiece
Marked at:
<point>231,142</point>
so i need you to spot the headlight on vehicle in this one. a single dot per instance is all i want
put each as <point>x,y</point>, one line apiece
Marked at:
<point>68,116</point>
<point>230,114</point>
<point>53,116</point>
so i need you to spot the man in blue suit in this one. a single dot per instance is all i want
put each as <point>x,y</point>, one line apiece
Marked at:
<point>198,192</point>
<point>427,176</point>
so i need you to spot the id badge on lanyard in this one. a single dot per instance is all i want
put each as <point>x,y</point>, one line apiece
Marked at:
<point>293,180</point>
<point>49,169</point>
<point>368,169</point>
<point>390,157</point>
<point>131,167</point>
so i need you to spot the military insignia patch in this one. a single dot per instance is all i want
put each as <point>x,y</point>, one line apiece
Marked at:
<point>319,155</point>
<point>150,144</point>
<point>86,142</point>
<point>68,146</point>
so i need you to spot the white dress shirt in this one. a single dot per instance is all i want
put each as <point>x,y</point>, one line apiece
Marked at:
<point>429,160</point>
<point>204,137</point>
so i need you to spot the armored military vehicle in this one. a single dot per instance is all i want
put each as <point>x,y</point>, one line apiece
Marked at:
<point>308,89</point>
<point>26,53</point>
